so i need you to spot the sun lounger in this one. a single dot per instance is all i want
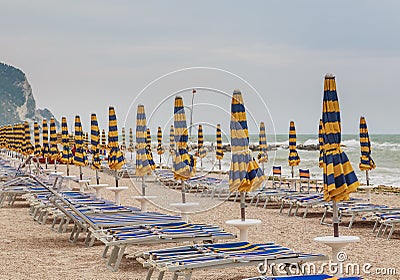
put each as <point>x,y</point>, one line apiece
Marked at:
<point>183,261</point>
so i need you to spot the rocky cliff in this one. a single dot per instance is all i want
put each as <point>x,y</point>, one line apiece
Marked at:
<point>16,98</point>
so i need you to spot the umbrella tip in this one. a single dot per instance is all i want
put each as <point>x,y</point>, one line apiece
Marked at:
<point>236,91</point>
<point>330,75</point>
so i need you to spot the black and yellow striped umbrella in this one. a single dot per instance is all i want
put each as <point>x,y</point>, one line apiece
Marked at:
<point>160,148</point>
<point>339,177</point>
<point>95,142</point>
<point>80,157</point>
<point>9,137</point>
<point>116,158</point>
<point>36,136</point>
<point>131,147</point>
<point>294,158</point>
<point>2,141</point>
<point>244,175</point>
<point>184,166</point>
<point>262,155</point>
<point>19,137</point>
<point>103,142</point>
<point>149,153</point>
<point>86,141</point>
<point>321,144</point>
<point>45,140</point>
<point>143,167</point>
<point>201,151</point>
<point>123,144</point>
<point>54,152</point>
<point>172,140</point>
<point>67,156</point>
<point>219,153</point>
<point>366,161</point>
<point>28,147</point>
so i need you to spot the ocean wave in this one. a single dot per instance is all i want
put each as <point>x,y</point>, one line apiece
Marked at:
<point>311,142</point>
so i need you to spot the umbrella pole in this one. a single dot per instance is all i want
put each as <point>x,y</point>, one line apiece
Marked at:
<point>143,187</point>
<point>67,168</point>
<point>116,178</point>
<point>160,162</point>
<point>183,192</point>
<point>292,171</point>
<point>201,164</point>
<point>55,165</point>
<point>97,177</point>
<point>219,164</point>
<point>335,219</point>
<point>45,160</point>
<point>80,173</point>
<point>367,177</point>
<point>242,207</point>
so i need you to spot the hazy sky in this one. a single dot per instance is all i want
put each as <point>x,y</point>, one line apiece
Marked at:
<point>81,56</point>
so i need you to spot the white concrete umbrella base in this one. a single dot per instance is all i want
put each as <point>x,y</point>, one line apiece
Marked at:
<point>117,191</point>
<point>144,201</point>
<point>243,227</point>
<point>185,209</point>
<point>98,188</point>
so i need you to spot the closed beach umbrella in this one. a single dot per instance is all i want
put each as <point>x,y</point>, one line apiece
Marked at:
<point>131,148</point>
<point>172,143</point>
<point>184,164</point>
<point>149,153</point>
<point>143,167</point>
<point>54,152</point>
<point>294,158</point>
<point>103,142</point>
<point>160,148</point>
<point>262,155</point>
<point>339,177</point>
<point>86,141</point>
<point>219,154</point>
<point>201,151</point>
<point>244,174</point>
<point>28,147</point>
<point>67,156</point>
<point>123,144</point>
<point>45,141</point>
<point>95,145</point>
<point>321,144</point>
<point>366,161</point>
<point>20,137</point>
<point>80,157</point>
<point>115,158</point>
<point>36,137</point>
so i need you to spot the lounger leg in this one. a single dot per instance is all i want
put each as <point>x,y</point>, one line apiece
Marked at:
<point>53,224</point>
<point>66,223</point>
<point>88,238</point>
<point>92,240</point>
<point>119,258</point>
<point>149,273</point>
<point>375,225</point>
<point>175,277</point>
<point>160,275</point>
<point>305,212</point>
<point>297,210</point>
<point>105,252</point>
<point>71,237</point>
<point>265,202</point>
<point>352,220</point>
<point>188,276</point>
<point>379,230</point>
<point>60,226</point>
<point>290,209</point>
<point>323,217</point>
<point>391,232</point>
<point>280,210</point>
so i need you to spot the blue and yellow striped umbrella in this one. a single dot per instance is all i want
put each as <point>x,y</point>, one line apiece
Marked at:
<point>184,166</point>
<point>294,158</point>
<point>262,155</point>
<point>36,137</point>
<point>201,151</point>
<point>28,147</point>
<point>123,144</point>
<point>103,142</point>
<point>67,156</point>
<point>219,153</point>
<point>172,140</point>
<point>116,158</point>
<point>80,157</point>
<point>45,140</point>
<point>86,141</point>
<point>321,144</point>
<point>149,153</point>
<point>143,167</point>
<point>54,152</point>
<point>131,148</point>
<point>95,142</point>
<point>366,161</point>
<point>160,148</point>
<point>244,174</point>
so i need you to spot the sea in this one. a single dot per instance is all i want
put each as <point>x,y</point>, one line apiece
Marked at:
<point>385,153</point>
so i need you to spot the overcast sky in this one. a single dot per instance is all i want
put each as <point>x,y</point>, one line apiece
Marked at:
<point>82,56</point>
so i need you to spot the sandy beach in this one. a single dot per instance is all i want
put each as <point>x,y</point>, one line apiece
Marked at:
<point>32,251</point>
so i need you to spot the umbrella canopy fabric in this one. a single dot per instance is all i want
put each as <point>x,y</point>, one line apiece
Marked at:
<point>67,156</point>
<point>45,140</point>
<point>244,175</point>
<point>321,144</point>
<point>115,158</point>
<point>160,148</point>
<point>294,158</point>
<point>95,142</point>
<point>54,152</point>
<point>131,148</point>
<point>184,165</point>
<point>36,137</point>
<point>172,139</point>
<point>143,167</point>
<point>28,147</point>
<point>123,144</point>
<point>219,153</point>
<point>262,155</point>
<point>20,137</point>
<point>80,157</point>
<point>149,153</point>
<point>366,161</point>
<point>339,177</point>
<point>103,141</point>
<point>201,151</point>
